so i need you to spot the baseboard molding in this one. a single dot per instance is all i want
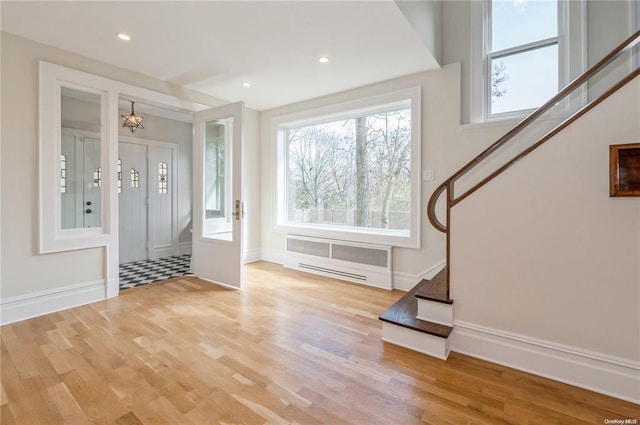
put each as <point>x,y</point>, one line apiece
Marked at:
<point>273,255</point>
<point>162,251</point>
<point>252,255</point>
<point>406,281</point>
<point>222,285</point>
<point>184,248</point>
<point>593,371</point>
<point>24,307</point>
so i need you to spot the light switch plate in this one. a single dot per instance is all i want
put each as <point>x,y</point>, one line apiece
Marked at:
<point>428,175</point>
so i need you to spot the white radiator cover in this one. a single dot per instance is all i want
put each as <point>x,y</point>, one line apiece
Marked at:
<point>367,264</point>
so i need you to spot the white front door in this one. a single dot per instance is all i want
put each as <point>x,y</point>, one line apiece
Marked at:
<point>218,207</point>
<point>81,179</point>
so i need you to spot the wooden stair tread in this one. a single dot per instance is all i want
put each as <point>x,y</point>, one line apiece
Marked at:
<point>404,312</point>
<point>435,289</point>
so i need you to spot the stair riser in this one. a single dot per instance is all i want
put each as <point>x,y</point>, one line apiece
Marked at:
<point>417,341</point>
<point>436,312</point>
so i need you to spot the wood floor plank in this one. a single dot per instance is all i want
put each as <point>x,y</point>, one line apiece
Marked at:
<point>290,348</point>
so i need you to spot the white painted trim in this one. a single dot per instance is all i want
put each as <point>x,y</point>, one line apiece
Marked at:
<point>594,371</point>
<point>224,285</point>
<point>27,306</point>
<point>252,255</point>
<point>184,248</point>
<point>414,340</point>
<point>572,22</point>
<point>162,251</point>
<point>334,111</point>
<point>435,269</point>
<point>51,77</point>
<point>271,255</point>
<point>406,281</point>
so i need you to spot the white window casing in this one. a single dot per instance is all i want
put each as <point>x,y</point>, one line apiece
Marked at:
<point>331,113</point>
<point>570,39</point>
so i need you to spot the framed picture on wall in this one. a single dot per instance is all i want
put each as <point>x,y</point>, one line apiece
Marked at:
<point>624,170</point>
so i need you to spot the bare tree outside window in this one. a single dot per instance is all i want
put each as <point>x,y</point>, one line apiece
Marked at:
<point>498,77</point>
<point>352,172</point>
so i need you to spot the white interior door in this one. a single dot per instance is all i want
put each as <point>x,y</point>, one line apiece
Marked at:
<point>217,195</point>
<point>132,201</point>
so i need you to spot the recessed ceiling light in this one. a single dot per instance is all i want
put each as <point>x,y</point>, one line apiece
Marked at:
<point>123,36</point>
<point>247,84</point>
<point>323,59</point>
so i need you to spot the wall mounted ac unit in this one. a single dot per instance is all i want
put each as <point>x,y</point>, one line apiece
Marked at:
<point>368,264</point>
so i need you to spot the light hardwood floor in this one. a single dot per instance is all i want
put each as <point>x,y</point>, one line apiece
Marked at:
<point>288,348</point>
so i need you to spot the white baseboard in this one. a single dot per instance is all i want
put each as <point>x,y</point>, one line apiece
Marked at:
<point>406,281</point>
<point>162,251</point>
<point>252,255</point>
<point>184,248</point>
<point>223,285</point>
<point>597,372</point>
<point>273,255</point>
<point>25,307</point>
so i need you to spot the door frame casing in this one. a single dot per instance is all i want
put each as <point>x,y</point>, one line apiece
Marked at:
<point>51,78</point>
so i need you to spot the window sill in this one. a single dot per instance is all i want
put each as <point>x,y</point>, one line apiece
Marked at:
<point>512,121</point>
<point>379,237</point>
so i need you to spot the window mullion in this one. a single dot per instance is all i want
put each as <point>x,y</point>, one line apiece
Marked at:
<point>524,48</point>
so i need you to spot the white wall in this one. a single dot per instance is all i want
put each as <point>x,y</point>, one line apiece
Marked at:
<point>445,147</point>
<point>252,185</point>
<point>426,19</point>
<point>24,271</point>
<point>543,251</point>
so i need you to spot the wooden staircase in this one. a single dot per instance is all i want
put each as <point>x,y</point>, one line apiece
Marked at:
<point>422,319</point>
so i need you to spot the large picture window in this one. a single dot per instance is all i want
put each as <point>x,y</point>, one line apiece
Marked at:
<point>352,171</point>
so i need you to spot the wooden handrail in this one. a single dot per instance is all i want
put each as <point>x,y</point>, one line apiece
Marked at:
<point>549,135</point>
<point>448,184</point>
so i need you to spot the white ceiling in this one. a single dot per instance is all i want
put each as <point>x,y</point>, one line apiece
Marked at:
<point>215,46</point>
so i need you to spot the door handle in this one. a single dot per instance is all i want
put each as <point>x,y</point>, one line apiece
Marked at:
<point>88,211</point>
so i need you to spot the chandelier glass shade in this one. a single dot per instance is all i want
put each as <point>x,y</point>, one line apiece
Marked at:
<point>132,121</point>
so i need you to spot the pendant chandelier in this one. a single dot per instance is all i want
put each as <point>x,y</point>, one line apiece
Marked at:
<point>132,121</point>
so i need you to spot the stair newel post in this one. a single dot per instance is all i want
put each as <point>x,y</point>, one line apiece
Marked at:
<point>450,196</point>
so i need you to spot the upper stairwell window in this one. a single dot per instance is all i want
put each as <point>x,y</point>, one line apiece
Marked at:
<point>351,171</point>
<point>523,66</point>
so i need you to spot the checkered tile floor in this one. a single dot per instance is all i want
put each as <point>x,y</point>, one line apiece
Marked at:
<point>142,272</point>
